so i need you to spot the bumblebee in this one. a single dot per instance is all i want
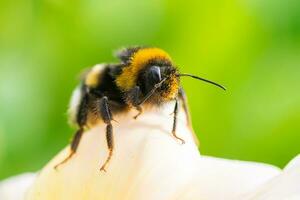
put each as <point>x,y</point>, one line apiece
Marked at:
<point>144,76</point>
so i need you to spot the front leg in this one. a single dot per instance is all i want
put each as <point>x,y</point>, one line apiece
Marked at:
<point>106,115</point>
<point>183,99</point>
<point>133,98</point>
<point>175,121</point>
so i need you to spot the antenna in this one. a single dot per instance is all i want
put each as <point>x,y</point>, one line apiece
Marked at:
<point>202,79</point>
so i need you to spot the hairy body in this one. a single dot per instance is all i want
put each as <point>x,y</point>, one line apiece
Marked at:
<point>144,77</point>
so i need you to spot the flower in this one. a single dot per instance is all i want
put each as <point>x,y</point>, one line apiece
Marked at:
<point>15,188</point>
<point>149,163</point>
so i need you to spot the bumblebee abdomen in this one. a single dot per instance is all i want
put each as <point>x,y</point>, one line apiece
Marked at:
<point>94,76</point>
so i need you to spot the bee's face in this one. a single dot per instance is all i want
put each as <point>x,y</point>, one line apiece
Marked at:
<point>146,67</point>
<point>153,74</point>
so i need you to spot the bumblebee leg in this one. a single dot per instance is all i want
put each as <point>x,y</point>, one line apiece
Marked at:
<point>107,118</point>
<point>151,92</point>
<point>140,111</point>
<point>147,96</point>
<point>74,145</point>
<point>81,121</point>
<point>133,98</point>
<point>183,99</point>
<point>175,122</point>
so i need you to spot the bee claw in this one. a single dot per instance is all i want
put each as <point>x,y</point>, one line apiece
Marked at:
<point>102,169</point>
<point>140,110</point>
<point>178,138</point>
<point>55,167</point>
<point>182,141</point>
<point>65,160</point>
<point>136,116</point>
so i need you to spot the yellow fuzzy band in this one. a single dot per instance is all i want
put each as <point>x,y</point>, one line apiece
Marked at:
<point>92,76</point>
<point>129,75</point>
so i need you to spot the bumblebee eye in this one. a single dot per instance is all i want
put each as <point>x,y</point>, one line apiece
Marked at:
<point>150,77</point>
<point>154,74</point>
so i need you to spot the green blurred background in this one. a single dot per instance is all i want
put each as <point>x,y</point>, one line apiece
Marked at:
<point>251,46</point>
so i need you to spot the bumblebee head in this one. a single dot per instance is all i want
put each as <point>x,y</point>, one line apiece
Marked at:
<point>151,68</point>
<point>146,67</point>
<point>159,73</point>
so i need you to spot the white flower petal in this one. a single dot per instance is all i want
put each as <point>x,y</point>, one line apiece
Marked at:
<point>148,163</point>
<point>282,187</point>
<point>225,179</point>
<point>295,163</point>
<point>14,188</point>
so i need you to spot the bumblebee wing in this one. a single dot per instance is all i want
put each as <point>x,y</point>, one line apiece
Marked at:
<point>125,54</point>
<point>183,99</point>
<point>83,73</point>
